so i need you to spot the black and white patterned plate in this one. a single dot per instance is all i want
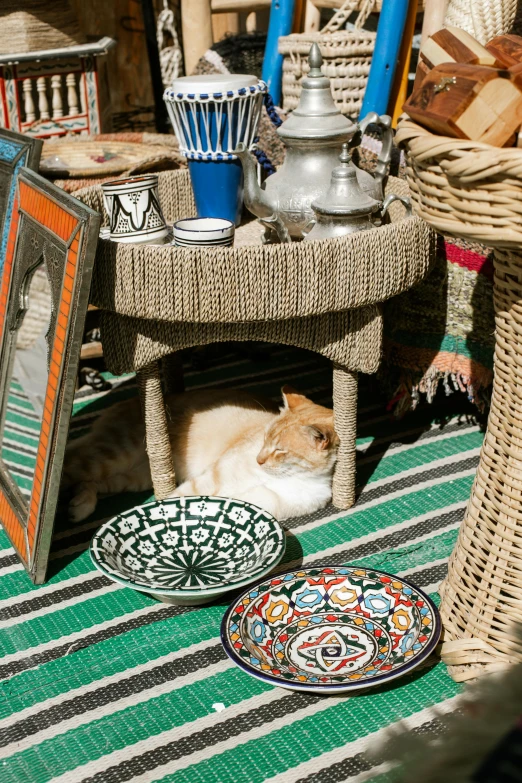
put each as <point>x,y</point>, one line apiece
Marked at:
<point>189,546</point>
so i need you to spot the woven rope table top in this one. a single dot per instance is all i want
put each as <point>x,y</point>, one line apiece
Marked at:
<point>255,282</point>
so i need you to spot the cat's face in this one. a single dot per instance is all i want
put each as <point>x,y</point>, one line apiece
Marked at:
<point>301,440</point>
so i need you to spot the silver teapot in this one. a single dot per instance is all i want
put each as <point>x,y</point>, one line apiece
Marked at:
<point>313,135</point>
<point>345,208</point>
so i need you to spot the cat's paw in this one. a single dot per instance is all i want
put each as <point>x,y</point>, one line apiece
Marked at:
<point>83,503</point>
<point>183,490</point>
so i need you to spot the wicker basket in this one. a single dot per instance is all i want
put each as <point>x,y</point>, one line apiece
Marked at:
<point>347,57</point>
<point>475,191</point>
<point>483,19</point>
<point>464,188</point>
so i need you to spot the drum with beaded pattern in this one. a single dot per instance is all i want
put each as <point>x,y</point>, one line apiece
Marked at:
<point>211,115</point>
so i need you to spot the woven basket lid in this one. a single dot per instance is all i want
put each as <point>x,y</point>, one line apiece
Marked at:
<point>35,25</point>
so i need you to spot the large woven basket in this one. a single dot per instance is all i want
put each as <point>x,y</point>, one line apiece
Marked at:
<point>464,188</point>
<point>474,191</point>
<point>483,19</point>
<point>347,55</point>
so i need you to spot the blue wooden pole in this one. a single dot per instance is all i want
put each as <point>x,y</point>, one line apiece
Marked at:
<point>384,61</point>
<point>281,17</point>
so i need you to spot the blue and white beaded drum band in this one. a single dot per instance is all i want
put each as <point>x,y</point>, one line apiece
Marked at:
<point>209,123</point>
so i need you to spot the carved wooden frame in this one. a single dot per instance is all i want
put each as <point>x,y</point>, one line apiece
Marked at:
<point>51,226</point>
<point>15,151</point>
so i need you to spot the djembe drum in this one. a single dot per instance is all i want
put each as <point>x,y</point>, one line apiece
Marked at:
<point>211,115</point>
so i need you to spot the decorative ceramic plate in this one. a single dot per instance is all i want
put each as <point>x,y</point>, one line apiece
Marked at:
<point>189,549</point>
<point>330,629</point>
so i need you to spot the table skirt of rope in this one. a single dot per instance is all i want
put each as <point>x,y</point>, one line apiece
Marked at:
<point>482,594</point>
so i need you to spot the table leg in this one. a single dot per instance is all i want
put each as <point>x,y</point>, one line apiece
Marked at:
<point>172,367</point>
<point>156,430</point>
<point>345,418</point>
<point>482,594</point>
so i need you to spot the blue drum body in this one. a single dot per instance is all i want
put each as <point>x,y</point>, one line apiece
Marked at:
<point>211,115</point>
<point>218,188</point>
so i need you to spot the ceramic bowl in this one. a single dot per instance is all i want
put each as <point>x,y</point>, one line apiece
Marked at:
<point>189,550</point>
<point>330,630</point>
<point>204,232</point>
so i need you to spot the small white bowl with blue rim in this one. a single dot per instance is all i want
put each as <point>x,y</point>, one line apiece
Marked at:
<point>189,550</point>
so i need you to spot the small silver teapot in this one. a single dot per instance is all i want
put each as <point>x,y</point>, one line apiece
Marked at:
<point>313,135</point>
<point>345,208</point>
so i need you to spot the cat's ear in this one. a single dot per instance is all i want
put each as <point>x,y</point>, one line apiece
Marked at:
<point>292,399</point>
<point>323,436</point>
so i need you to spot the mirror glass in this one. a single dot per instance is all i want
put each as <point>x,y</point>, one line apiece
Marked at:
<point>26,380</point>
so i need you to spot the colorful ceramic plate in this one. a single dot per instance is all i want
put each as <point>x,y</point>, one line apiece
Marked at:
<point>189,550</point>
<point>330,629</point>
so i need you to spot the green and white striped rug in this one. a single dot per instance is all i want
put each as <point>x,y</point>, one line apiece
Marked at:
<point>99,683</point>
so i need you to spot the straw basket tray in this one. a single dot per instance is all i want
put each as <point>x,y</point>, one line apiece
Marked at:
<point>103,157</point>
<point>464,188</point>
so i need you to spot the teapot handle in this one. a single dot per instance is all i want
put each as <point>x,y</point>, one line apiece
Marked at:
<point>384,121</point>
<point>405,201</point>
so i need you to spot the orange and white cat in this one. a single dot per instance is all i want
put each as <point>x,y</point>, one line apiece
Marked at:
<point>227,444</point>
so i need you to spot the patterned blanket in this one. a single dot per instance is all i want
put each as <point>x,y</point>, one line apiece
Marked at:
<point>102,684</point>
<point>441,332</point>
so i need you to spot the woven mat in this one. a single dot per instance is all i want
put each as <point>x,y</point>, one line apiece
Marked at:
<point>103,684</point>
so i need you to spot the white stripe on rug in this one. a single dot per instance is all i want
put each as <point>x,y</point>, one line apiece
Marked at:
<point>332,551</point>
<point>11,569</point>
<point>414,471</point>
<point>381,500</point>
<point>100,712</point>
<point>357,746</point>
<point>46,590</point>
<point>74,637</point>
<point>229,744</point>
<point>371,774</point>
<point>119,677</point>
<point>398,448</point>
<point>12,622</point>
<point>187,729</point>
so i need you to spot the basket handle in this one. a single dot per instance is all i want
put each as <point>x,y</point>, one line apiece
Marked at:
<point>341,15</point>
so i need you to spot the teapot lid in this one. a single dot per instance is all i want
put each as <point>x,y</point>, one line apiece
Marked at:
<point>345,196</point>
<point>316,116</point>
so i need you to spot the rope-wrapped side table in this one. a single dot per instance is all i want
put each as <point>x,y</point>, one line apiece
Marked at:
<point>474,190</point>
<point>323,296</point>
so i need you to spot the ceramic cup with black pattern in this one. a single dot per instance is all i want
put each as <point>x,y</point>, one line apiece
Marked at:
<point>134,210</point>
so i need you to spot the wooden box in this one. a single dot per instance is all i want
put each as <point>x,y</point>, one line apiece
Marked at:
<point>469,102</point>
